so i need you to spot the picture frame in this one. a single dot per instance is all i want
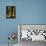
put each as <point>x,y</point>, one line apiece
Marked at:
<point>10,11</point>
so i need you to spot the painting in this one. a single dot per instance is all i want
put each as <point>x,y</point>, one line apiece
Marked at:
<point>10,11</point>
<point>33,32</point>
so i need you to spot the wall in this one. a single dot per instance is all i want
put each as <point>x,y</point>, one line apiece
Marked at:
<point>31,11</point>
<point>27,12</point>
<point>7,25</point>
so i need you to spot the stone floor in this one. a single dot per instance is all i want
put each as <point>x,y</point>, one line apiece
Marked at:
<point>28,43</point>
<point>7,45</point>
<point>32,43</point>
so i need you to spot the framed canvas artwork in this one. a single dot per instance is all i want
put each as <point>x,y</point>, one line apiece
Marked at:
<point>10,11</point>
